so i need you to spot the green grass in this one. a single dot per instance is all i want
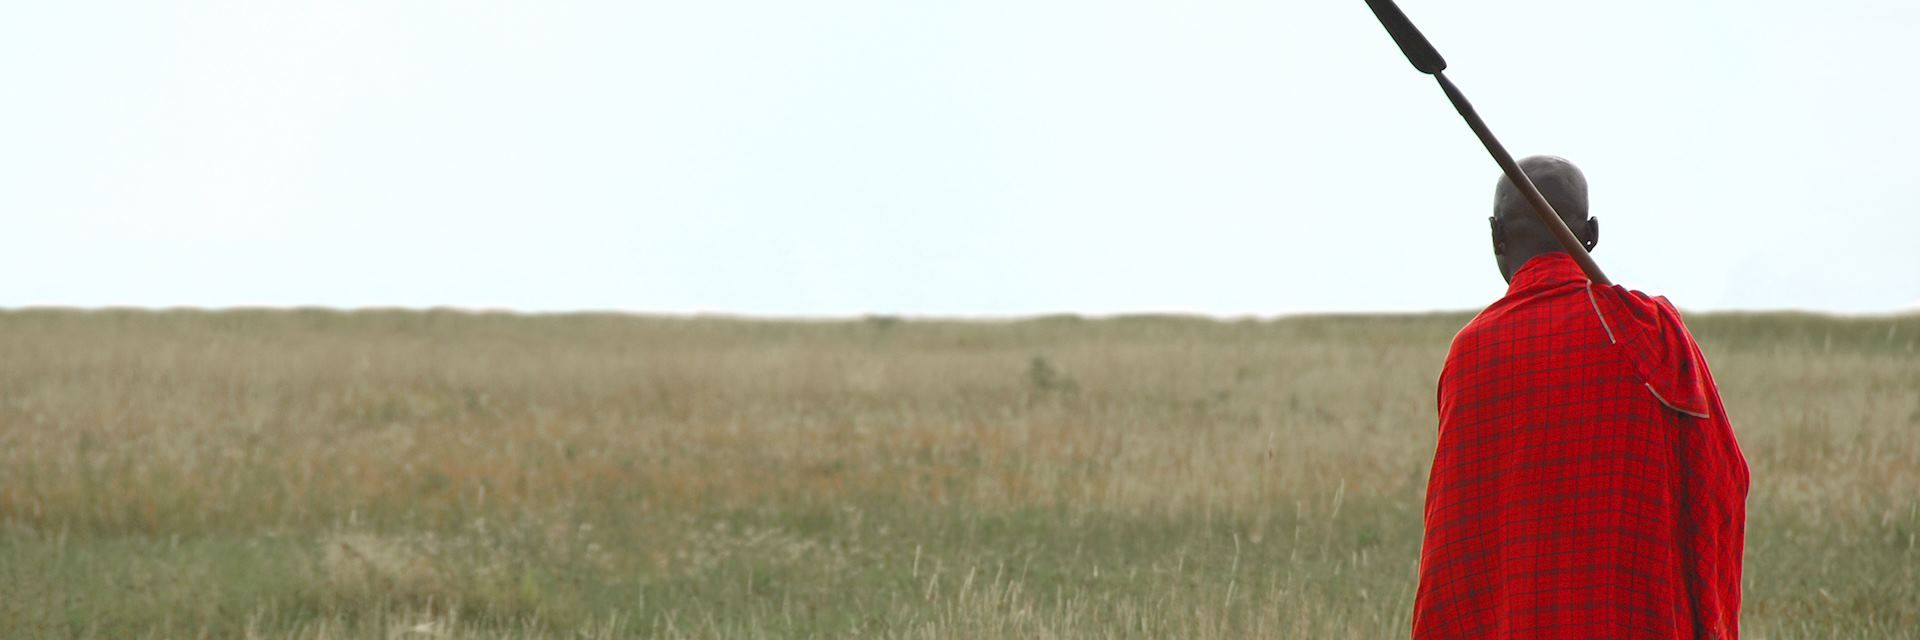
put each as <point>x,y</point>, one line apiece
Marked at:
<point>394,474</point>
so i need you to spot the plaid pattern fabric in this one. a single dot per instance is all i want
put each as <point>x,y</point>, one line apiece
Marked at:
<point>1587,483</point>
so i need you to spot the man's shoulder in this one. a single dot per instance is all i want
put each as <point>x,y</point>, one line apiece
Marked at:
<point>1650,333</point>
<point>1637,316</point>
<point>1557,311</point>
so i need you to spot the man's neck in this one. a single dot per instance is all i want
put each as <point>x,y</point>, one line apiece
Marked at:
<point>1544,270</point>
<point>1520,261</point>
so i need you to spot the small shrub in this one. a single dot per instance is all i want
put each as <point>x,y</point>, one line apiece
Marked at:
<point>1044,377</point>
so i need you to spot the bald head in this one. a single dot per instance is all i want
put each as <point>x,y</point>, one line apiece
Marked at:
<point>1518,234</point>
<point>1561,182</point>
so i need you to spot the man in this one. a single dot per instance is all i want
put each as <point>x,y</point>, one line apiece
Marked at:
<point>1587,483</point>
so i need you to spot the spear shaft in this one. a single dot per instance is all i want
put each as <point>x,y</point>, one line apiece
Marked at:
<point>1426,59</point>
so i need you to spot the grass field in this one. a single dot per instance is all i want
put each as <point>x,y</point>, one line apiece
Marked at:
<point>433,474</point>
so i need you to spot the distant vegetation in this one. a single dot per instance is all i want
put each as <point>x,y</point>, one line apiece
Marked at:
<point>420,474</point>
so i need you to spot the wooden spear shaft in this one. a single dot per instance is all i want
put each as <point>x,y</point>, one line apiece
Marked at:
<point>1425,58</point>
<point>1541,207</point>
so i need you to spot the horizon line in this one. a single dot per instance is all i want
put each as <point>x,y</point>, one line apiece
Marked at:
<point>871,315</point>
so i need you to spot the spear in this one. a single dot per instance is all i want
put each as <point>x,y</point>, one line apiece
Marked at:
<point>1428,61</point>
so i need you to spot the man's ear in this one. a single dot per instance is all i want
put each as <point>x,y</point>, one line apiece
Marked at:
<point>1499,236</point>
<point>1593,233</point>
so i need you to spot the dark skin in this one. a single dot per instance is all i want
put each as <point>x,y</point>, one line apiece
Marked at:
<point>1518,235</point>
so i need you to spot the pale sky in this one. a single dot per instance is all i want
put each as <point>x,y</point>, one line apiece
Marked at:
<point>976,158</point>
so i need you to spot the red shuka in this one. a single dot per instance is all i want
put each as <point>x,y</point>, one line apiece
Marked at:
<point>1587,483</point>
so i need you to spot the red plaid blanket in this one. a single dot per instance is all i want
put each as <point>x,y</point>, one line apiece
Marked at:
<point>1587,483</point>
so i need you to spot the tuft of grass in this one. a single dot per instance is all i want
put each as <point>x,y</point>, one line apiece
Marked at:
<point>321,474</point>
<point>1044,378</point>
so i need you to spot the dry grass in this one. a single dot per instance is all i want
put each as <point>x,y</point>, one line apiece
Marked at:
<point>394,474</point>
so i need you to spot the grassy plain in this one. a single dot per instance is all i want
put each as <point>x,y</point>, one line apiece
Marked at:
<point>425,474</point>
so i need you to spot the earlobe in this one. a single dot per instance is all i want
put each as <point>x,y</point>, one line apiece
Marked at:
<point>1499,239</point>
<point>1593,233</point>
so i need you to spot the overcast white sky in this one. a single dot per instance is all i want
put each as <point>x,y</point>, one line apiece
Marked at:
<point>837,157</point>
